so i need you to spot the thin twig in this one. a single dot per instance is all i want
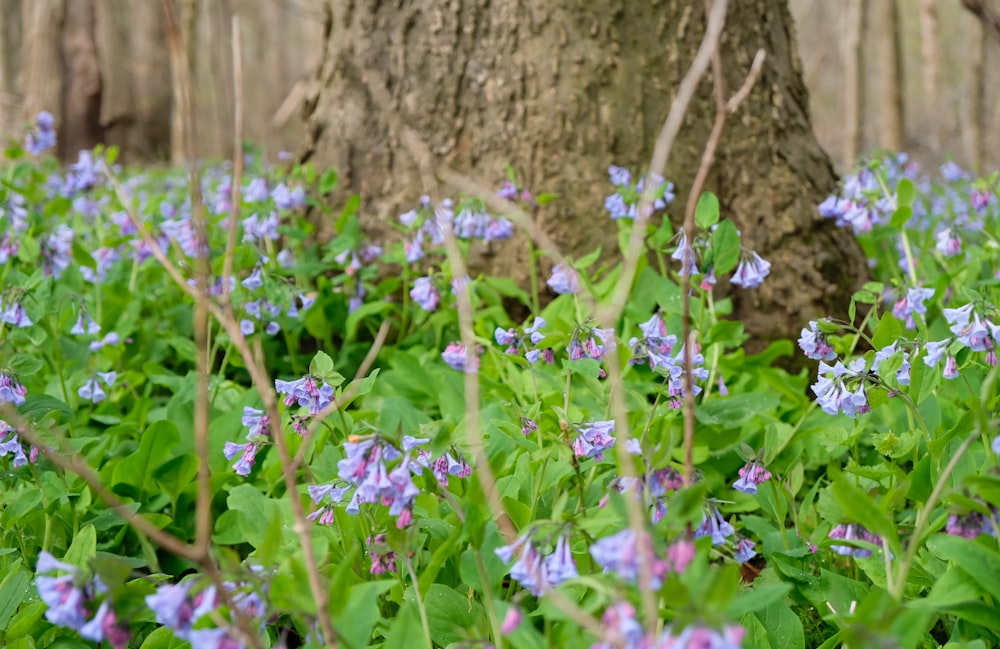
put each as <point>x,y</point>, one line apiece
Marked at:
<point>986,14</point>
<point>318,419</point>
<point>235,189</point>
<point>722,109</point>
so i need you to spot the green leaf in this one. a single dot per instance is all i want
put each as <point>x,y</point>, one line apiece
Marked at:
<point>83,548</point>
<point>755,599</point>
<point>901,216</point>
<point>784,629</point>
<point>256,512</point>
<point>26,364</point>
<point>328,181</point>
<point>725,247</point>
<point>980,562</point>
<point>706,213</point>
<point>448,612</point>
<point>13,589</point>
<point>356,621</point>
<point>862,508</point>
<point>36,406</point>
<point>176,474</point>
<point>406,631</point>
<point>905,192</point>
<point>321,364</point>
<point>887,332</point>
<point>135,473</point>
<point>736,410</point>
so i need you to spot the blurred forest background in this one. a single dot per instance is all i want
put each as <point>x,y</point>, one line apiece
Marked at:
<point>910,75</point>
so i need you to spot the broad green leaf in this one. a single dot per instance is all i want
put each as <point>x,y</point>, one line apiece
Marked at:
<point>83,548</point>
<point>887,332</point>
<point>13,590</point>
<point>356,621</point>
<point>256,512</point>
<point>176,474</point>
<point>706,213</point>
<point>134,474</point>
<point>980,562</point>
<point>725,247</point>
<point>905,192</point>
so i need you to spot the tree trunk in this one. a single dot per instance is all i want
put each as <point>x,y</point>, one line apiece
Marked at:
<point>854,87</point>
<point>42,66</point>
<point>82,85</point>
<point>562,89</point>
<point>892,134</point>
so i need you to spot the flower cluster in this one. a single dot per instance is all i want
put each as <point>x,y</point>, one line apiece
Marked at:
<point>525,341</point>
<point>176,608</point>
<point>655,345</point>
<point>594,438</point>
<point>625,554</point>
<point>308,392</point>
<point>624,203</point>
<point>382,557</point>
<point>853,532</point>
<point>752,474</point>
<point>11,390</point>
<point>843,388</point>
<point>366,468</point>
<point>72,601</point>
<point>588,341</point>
<point>978,334</point>
<point>258,435</point>
<point>457,357</point>
<point>10,443</point>
<point>564,279</point>
<point>814,343</point>
<point>538,573</point>
<point>623,631</point>
<point>714,525</point>
<point>92,390</point>
<point>44,135</point>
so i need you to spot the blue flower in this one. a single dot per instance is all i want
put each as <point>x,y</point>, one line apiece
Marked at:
<point>564,279</point>
<point>424,294</point>
<point>594,438</point>
<point>751,271</point>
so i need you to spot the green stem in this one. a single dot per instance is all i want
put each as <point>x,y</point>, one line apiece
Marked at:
<point>924,517</point>
<point>491,610</point>
<point>533,270</point>
<point>420,603</point>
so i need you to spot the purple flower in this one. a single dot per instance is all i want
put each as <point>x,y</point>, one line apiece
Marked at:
<point>952,173</point>
<point>247,453</point>
<point>288,199</point>
<point>253,281</point>
<point>62,595</point>
<point>11,443</point>
<point>308,392</point>
<point>383,558</point>
<point>590,342</point>
<point>751,474</point>
<point>256,191</point>
<point>455,355</point>
<point>912,303</point>
<point>105,626</point>
<point>44,135</point>
<point>594,438</point>
<point>685,254</point>
<point>498,229</point>
<point>620,176</point>
<point>528,426</point>
<point>745,550</point>
<point>948,244</point>
<point>533,571</point>
<point>969,525</point>
<point>175,609</point>
<point>11,390</point>
<point>511,620</point>
<point>714,525</point>
<point>853,532</point>
<point>622,555</point>
<point>424,294</point>
<point>622,630</point>
<point>564,279</point>
<point>12,312</point>
<point>751,271</point>
<point>935,351</point>
<point>655,346</point>
<point>834,394</point>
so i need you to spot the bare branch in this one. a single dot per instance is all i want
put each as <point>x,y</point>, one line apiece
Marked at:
<point>987,15</point>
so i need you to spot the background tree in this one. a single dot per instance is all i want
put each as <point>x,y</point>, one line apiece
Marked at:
<point>560,90</point>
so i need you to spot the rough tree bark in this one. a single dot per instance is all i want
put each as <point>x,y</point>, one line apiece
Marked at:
<point>560,90</point>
